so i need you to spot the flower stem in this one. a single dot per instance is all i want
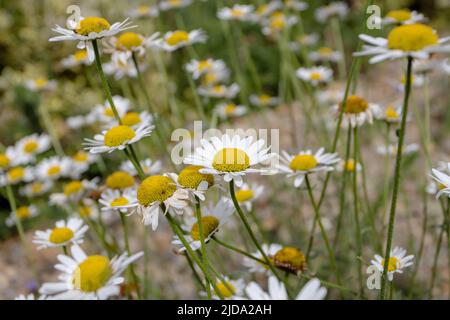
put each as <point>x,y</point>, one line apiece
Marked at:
<point>398,162</point>
<point>240,251</point>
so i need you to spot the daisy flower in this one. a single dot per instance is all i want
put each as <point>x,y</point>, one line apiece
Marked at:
<point>349,166</point>
<point>135,119</point>
<point>417,81</point>
<point>315,75</point>
<point>81,162</point>
<point>255,266</point>
<point>117,138</point>
<point>392,149</point>
<point>443,181</point>
<point>325,54</point>
<point>402,16</point>
<point>357,111</point>
<point>228,288</point>
<point>397,262</point>
<point>73,191</point>
<point>247,193</point>
<point>40,84</point>
<point>144,11</point>
<point>89,29</point>
<point>63,234</point>
<point>149,167</point>
<point>53,168</point>
<point>305,162</point>
<point>199,68</point>
<point>335,9</point>
<point>166,5</point>
<point>128,43</point>
<point>213,218</point>
<point>238,12</point>
<point>88,277</point>
<point>115,200</point>
<point>264,100</point>
<point>312,290</point>
<point>220,91</point>
<point>119,69</point>
<point>228,110</point>
<point>214,77</point>
<point>230,156</point>
<point>22,213</point>
<point>193,181</point>
<point>277,22</point>
<point>8,158</point>
<point>155,191</point>
<point>104,112</point>
<point>16,175</point>
<point>120,180</point>
<point>30,146</point>
<point>390,114</point>
<point>36,188</point>
<point>174,40</point>
<point>412,40</point>
<point>79,58</point>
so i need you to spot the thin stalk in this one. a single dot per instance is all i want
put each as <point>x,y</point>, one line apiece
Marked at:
<point>337,33</point>
<point>240,251</point>
<point>398,162</point>
<point>198,215</point>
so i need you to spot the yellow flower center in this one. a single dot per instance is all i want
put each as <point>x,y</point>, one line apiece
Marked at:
<point>226,289</point>
<point>210,78</point>
<point>303,162</point>
<point>325,51</point>
<point>80,156</point>
<point>244,195</point>
<point>119,180</point>
<point>231,160</point>
<point>204,65</point>
<point>393,265</point>
<point>72,187</point>
<point>131,119</point>
<point>37,187</point>
<point>290,259</point>
<point>209,225</point>
<point>117,136</point>
<point>277,22</point>
<point>262,9</point>
<point>30,146</point>
<point>391,113</point>
<point>316,76</point>
<point>16,173</point>
<point>190,177</point>
<point>129,40</point>
<point>412,37</point>
<point>54,170</point>
<point>264,98</point>
<point>237,13</point>
<point>155,188</point>
<point>23,212</point>
<point>108,112</point>
<point>230,108</point>
<point>400,15</point>
<point>4,160</point>
<point>84,211</point>
<point>40,82</point>
<point>92,274</point>
<point>80,55</point>
<point>177,37</point>
<point>61,235</point>
<point>355,104</point>
<point>120,201</point>
<point>143,9</point>
<point>350,165</point>
<point>92,24</point>
<point>218,89</point>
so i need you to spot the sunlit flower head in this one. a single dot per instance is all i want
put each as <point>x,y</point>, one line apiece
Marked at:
<point>227,110</point>
<point>149,167</point>
<point>337,9</point>
<point>255,266</point>
<point>63,234</point>
<point>144,11</point>
<point>325,54</point>
<point>22,213</point>
<point>30,146</point>
<point>40,84</point>
<point>86,277</point>
<point>53,168</point>
<point>120,180</point>
<point>237,12</point>
<point>174,40</point>
<point>165,5</point>
<point>117,201</point>
<point>305,162</point>
<point>403,16</point>
<point>199,68</point>
<point>128,43</point>
<point>264,100</point>
<point>315,75</point>
<point>231,157</point>
<point>356,111</point>
<point>416,40</point>
<point>220,91</point>
<point>213,218</point>
<point>397,262</point>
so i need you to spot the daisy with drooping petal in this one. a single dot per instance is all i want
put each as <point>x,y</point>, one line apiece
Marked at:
<point>238,12</point>
<point>16,175</point>
<point>115,200</point>
<point>174,40</point>
<point>247,193</point>
<point>397,262</point>
<point>22,213</point>
<point>315,75</point>
<point>230,156</point>
<point>195,182</point>
<point>144,11</point>
<point>220,91</point>
<point>201,67</point>
<point>213,218</point>
<point>264,100</point>
<point>166,5</point>
<point>40,84</point>
<point>305,162</point>
<point>88,277</point>
<point>325,54</point>
<point>230,110</point>
<point>30,146</point>
<point>79,58</point>
<point>63,234</point>
<point>357,111</point>
<point>228,288</point>
<point>36,188</point>
<point>148,166</point>
<point>117,138</point>
<point>255,266</point>
<point>402,16</point>
<point>312,290</point>
<point>335,9</point>
<point>53,168</point>
<point>87,30</point>
<point>412,40</point>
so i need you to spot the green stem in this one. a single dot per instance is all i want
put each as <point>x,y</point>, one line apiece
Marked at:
<point>240,251</point>
<point>398,162</point>
<point>198,215</point>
